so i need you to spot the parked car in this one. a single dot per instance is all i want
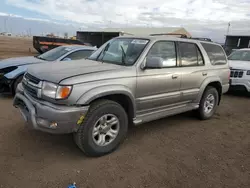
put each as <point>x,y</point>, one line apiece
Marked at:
<point>13,69</point>
<point>127,80</point>
<point>239,62</point>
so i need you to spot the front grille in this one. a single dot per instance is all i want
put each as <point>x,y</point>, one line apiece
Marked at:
<point>236,73</point>
<point>32,79</point>
<point>30,90</point>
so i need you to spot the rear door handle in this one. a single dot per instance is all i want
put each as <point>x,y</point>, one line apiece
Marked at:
<point>174,76</point>
<point>204,73</point>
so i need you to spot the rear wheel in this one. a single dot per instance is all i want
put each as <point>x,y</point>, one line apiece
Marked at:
<point>104,128</point>
<point>208,103</point>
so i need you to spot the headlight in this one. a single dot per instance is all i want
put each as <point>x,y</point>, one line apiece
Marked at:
<point>55,91</point>
<point>248,72</point>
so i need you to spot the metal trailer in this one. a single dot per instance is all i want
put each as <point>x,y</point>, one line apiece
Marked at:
<point>43,44</point>
<point>97,38</point>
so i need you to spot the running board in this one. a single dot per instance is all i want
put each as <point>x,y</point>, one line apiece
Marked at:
<point>147,117</point>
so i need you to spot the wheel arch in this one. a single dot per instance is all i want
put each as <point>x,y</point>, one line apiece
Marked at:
<point>119,94</point>
<point>214,82</point>
<point>217,85</point>
<point>13,88</point>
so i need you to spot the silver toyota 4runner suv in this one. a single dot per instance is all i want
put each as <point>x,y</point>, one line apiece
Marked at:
<point>128,80</point>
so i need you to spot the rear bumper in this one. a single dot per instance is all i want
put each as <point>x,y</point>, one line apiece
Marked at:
<point>47,117</point>
<point>225,88</point>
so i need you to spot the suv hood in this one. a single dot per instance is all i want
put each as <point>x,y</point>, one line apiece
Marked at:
<point>17,61</point>
<point>234,64</point>
<point>58,71</point>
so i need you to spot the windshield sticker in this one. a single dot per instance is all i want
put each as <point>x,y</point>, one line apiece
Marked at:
<point>139,41</point>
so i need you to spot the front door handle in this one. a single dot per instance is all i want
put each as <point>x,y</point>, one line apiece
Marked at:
<point>204,73</point>
<point>174,76</point>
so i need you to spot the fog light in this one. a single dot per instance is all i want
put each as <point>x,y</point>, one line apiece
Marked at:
<point>53,125</point>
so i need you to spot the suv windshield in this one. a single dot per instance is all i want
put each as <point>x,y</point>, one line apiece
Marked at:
<point>240,55</point>
<point>120,51</point>
<point>54,53</point>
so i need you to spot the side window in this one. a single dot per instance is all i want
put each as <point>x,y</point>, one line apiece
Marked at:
<point>215,54</point>
<point>190,54</point>
<point>79,54</point>
<point>166,50</point>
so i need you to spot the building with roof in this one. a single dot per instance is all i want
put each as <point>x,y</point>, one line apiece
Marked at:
<point>236,42</point>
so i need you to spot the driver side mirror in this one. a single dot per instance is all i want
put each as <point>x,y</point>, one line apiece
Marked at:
<point>67,59</point>
<point>153,63</point>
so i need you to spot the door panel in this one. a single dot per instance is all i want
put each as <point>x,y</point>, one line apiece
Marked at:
<point>157,88</point>
<point>192,79</point>
<point>193,71</point>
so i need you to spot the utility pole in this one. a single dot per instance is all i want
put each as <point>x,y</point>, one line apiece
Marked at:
<point>5,24</point>
<point>228,28</point>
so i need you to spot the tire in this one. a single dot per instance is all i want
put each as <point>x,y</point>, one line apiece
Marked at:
<point>203,112</point>
<point>84,136</point>
<point>16,82</point>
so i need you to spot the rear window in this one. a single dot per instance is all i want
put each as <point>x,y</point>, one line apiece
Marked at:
<point>215,54</point>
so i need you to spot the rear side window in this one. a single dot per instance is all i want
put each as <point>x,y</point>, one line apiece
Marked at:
<point>215,54</point>
<point>190,54</point>
<point>80,54</point>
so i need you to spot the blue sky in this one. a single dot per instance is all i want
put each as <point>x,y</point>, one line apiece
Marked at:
<point>201,17</point>
<point>129,11</point>
<point>11,9</point>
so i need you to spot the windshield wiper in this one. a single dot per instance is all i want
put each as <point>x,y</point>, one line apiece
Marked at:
<point>102,53</point>
<point>38,57</point>
<point>123,56</point>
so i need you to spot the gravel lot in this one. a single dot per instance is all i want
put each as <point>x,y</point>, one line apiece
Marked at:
<point>179,151</point>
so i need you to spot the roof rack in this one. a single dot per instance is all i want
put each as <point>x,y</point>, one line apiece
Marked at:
<point>204,39</point>
<point>160,34</point>
<point>182,36</point>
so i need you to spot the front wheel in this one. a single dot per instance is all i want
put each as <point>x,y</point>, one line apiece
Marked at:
<point>208,103</point>
<point>103,129</point>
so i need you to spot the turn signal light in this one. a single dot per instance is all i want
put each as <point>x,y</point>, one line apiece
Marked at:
<point>63,92</point>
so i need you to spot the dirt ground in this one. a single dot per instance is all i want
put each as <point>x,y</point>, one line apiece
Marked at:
<point>16,47</point>
<point>179,151</point>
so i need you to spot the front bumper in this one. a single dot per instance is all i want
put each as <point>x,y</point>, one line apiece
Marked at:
<point>240,84</point>
<point>47,117</point>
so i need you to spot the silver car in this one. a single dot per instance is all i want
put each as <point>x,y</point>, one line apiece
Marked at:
<point>13,69</point>
<point>129,80</point>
